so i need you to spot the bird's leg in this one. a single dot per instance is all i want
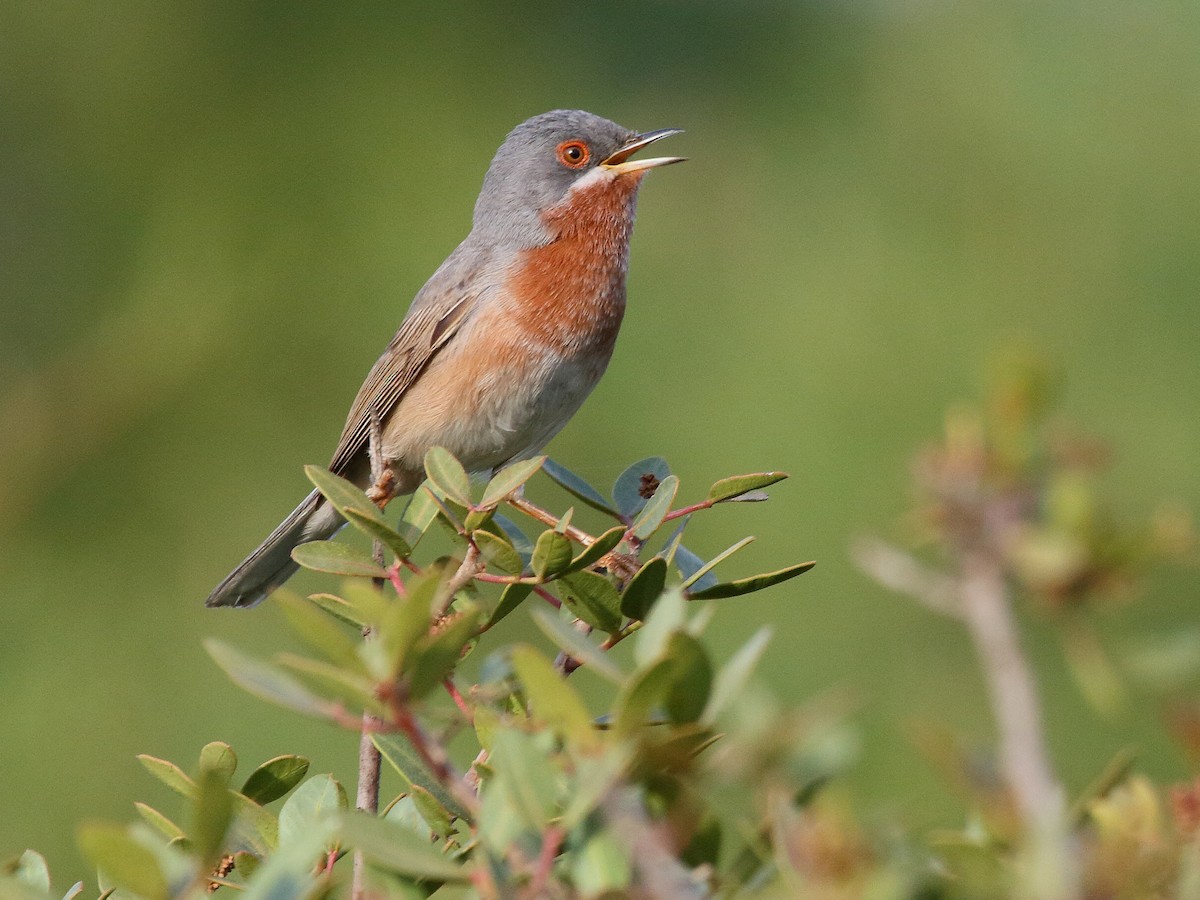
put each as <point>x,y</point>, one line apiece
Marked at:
<point>383,481</point>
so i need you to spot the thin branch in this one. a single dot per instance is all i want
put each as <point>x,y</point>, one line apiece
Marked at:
<point>367,795</point>
<point>548,519</point>
<point>903,573</point>
<point>987,613</point>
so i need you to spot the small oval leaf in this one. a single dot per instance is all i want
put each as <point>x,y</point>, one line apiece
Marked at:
<point>599,548</point>
<point>735,486</point>
<point>511,597</point>
<point>498,552</point>
<point>592,598</point>
<point>751,584</point>
<point>274,778</point>
<point>551,555</point>
<point>637,484</point>
<point>337,559</point>
<point>644,589</point>
<point>448,475</point>
<point>573,484</point>
<point>656,508</point>
<point>509,479</point>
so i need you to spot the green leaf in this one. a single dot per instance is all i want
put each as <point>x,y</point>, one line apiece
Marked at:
<point>515,535</point>
<point>211,814</point>
<point>601,866</point>
<point>337,558</point>
<point>314,802</point>
<point>697,577</point>
<point>732,677</point>
<point>126,862</point>
<point>254,829</point>
<point>401,756</point>
<point>630,490</point>
<point>341,609</point>
<point>433,813</point>
<point>728,488</point>
<point>448,475</point>
<point>380,531</point>
<point>593,598</point>
<point>692,678</point>
<point>30,870</point>
<point>316,628</point>
<point>751,584</point>
<point>689,566</point>
<point>436,654</point>
<point>406,621</point>
<point>597,550</point>
<point>595,777</point>
<point>668,616</point>
<point>274,778</point>
<point>419,514</point>
<point>526,776</point>
<point>498,552</point>
<point>509,479</point>
<point>219,758</point>
<point>340,493</point>
<point>656,508</point>
<point>169,774</point>
<point>267,681</point>
<point>552,700</point>
<point>511,597</point>
<point>335,682</point>
<point>573,484</point>
<point>576,645</point>
<point>477,519</point>
<point>399,849</point>
<point>551,555</point>
<point>641,695</point>
<point>159,822</point>
<point>644,589</point>
<point>287,873</point>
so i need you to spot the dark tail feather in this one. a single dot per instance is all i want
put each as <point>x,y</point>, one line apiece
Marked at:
<point>271,564</point>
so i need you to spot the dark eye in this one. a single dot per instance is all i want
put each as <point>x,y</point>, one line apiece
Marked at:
<point>574,154</point>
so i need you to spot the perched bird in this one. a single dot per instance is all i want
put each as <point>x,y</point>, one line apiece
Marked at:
<point>506,339</point>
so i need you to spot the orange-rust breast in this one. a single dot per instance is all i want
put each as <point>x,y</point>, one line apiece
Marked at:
<point>572,291</point>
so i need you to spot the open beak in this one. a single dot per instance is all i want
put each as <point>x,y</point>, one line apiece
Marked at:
<point>620,163</point>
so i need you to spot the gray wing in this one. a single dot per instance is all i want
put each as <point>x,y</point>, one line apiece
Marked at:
<point>431,323</point>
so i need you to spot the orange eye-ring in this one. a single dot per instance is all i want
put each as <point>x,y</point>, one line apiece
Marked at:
<point>574,154</point>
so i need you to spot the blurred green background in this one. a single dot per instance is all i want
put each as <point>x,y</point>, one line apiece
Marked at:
<point>213,216</point>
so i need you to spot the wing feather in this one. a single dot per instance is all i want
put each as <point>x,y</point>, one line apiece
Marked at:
<point>430,325</point>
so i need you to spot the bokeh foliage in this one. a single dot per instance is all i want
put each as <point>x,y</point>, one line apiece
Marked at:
<point>195,195</point>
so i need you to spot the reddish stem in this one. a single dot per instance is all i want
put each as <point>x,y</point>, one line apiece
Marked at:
<point>548,597</point>
<point>552,839</point>
<point>459,700</point>
<point>688,510</point>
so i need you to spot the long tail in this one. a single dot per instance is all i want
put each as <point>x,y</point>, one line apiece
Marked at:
<point>271,564</point>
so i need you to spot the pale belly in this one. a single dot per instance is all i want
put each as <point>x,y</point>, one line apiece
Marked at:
<point>488,413</point>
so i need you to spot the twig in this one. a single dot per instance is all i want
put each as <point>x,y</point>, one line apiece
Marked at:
<point>367,797</point>
<point>982,601</point>
<point>987,613</point>
<point>547,518</point>
<point>901,572</point>
<point>467,571</point>
<point>552,839</point>
<point>459,700</point>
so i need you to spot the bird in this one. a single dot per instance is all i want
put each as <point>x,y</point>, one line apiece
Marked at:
<point>504,342</point>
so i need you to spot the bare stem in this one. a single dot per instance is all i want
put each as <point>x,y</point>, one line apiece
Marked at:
<point>987,612</point>
<point>549,519</point>
<point>367,797</point>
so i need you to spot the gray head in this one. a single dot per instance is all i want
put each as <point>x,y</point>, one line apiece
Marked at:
<point>539,162</point>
